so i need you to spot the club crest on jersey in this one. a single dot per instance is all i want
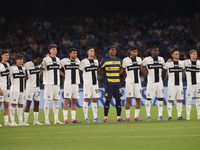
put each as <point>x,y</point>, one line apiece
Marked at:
<point>29,96</point>
<point>67,94</point>
<point>48,96</point>
<point>159,60</point>
<point>169,96</point>
<point>106,94</point>
<point>86,94</point>
<point>148,94</point>
<point>14,100</point>
<point>0,98</point>
<point>129,93</point>
<point>188,94</point>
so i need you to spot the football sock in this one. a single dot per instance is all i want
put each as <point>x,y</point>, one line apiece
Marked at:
<point>26,114</point>
<point>55,110</point>
<point>5,119</point>
<point>127,113</point>
<point>160,108</point>
<point>65,114</point>
<point>12,114</point>
<point>73,113</point>
<point>85,109</point>
<point>137,111</point>
<point>106,108</point>
<point>36,116</point>
<point>46,110</point>
<point>148,107</point>
<point>179,109</point>
<point>169,109</point>
<point>118,107</point>
<point>94,109</point>
<point>188,105</point>
<point>20,114</point>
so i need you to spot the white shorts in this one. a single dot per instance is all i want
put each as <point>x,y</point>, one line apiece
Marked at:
<point>175,92</point>
<point>6,96</point>
<point>32,93</point>
<point>91,91</point>
<point>71,91</point>
<point>51,92</point>
<point>193,89</point>
<point>17,97</point>
<point>155,89</point>
<point>133,90</point>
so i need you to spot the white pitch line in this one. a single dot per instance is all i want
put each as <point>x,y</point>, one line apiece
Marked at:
<point>143,129</point>
<point>103,137</point>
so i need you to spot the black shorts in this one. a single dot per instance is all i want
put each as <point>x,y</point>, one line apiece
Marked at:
<point>113,90</point>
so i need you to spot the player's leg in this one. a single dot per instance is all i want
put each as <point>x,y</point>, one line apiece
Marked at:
<point>197,94</point>
<point>56,98</point>
<point>65,110</point>
<point>108,95</point>
<point>73,111</point>
<point>179,98</point>
<point>14,96</point>
<point>137,94</point>
<point>5,112</point>
<point>190,93</point>
<point>20,109</point>
<point>127,108</point>
<point>87,94</point>
<point>171,96</point>
<point>48,96</point>
<point>169,109</point>
<point>95,95</point>
<point>26,111</point>
<point>0,106</point>
<point>160,95</point>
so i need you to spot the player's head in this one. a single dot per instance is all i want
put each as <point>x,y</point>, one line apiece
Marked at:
<point>52,49</point>
<point>193,54</point>
<point>112,50</point>
<point>154,51</point>
<point>4,55</point>
<point>134,51</point>
<point>90,51</point>
<point>73,53</point>
<point>38,59</point>
<point>175,54</point>
<point>19,58</point>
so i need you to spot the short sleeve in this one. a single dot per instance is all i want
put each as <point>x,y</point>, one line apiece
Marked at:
<point>62,63</point>
<point>102,63</point>
<point>43,65</point>
<point>26,66</point>
<point>166,66</point>
<point>183,65</point>
<point>81,67</point>
<point>163,61</point>
<point>144,62</point>
<point>11,72</point>
<point>124,64</point>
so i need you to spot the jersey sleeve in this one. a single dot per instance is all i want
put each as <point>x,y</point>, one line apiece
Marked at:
<point>43,65</point>
<point>11,72</point>
<point>81,67</point>
<point>102,63</point>
<point>97,63</point>
<point>163,62</point>
<point>144,62</point>
<point>124,63</point>
<point>62,63</point>
<point>166,66</point>
<point>26,66</point>
<point>183,65</point>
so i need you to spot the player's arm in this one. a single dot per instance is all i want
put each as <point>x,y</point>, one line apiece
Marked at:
<point>61,73</point>
<point>99,71</point>
<point>121,70</point>
<point>1,92</point>
<point>144,70</point>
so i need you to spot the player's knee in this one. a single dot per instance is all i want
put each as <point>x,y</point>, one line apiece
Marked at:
<point>66,101</point>
<point>6,104</point>
<point>86,99</point>
<point>179,101</point>
<point>169,101</point>
<point>117,99</point>
<point>94,100</point>
<point>14,105</point>
<point>74,101</point>
<point>20,105</point>
<point>160,99</point>
<point>0,104</point>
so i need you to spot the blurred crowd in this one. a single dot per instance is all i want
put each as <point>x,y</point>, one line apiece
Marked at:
<point>31,35</point>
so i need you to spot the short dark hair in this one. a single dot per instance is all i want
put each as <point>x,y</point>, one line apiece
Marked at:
<point>174,50</point>
<point>89,47</point>
<point>38,55</point>
<point>18,56</point>
<point>4,52</point>
<point>52,46</point>
<point>111,46</point>
<point>154,47</point>
<point>134,48</point>
<point>72,49</point>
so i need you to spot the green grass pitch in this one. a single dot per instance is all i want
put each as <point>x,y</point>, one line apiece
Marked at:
<point>112,135</point>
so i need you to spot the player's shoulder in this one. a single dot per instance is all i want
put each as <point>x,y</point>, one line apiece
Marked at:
<point>186,60</point>
<point>64,60</point>
<point>77,60</point>
<point>160,58</point>
<point>83,60</point>
<point>7,64</point>
<point>117,59</point>
<point>126,59</point>
<point>138,58</point>
<point>147,58</point>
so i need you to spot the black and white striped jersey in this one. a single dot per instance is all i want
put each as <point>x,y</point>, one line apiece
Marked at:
<point>174,70</point>
<point>89,68</point>
<point>192,69</point>
<point>71,70</point>
<point>4,75</point>
<point>17,75</point>
<point>33,73</point>
<point>132,67</point>
<point>154,67</point>
<point>51,74</point>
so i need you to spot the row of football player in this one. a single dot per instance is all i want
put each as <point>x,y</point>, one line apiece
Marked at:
<point>132,65</point>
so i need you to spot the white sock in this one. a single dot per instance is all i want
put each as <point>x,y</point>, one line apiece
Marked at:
<point>179,109</point>
<point>188,105</point>
<point>12,114</point>
<point>148,107</point>
<point>169,109</point>
<point>46,110</point>
<point>55,110</point>
<point>137,111</point>
<point>73,113</point>
<point>20,114</point>
<point>160,108</point>
<point>85,109</point>
<point>127,113</point>
<point>36,116</point>
<point>5,119</point>
<point>26,114</point>
<point>94,109</point>
<point>65,114</point>
<point>198,107</point>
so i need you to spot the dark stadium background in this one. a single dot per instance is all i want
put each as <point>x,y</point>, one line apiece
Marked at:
<point>17,18</point>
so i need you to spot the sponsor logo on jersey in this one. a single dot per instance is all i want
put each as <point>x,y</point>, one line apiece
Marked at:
<point>29,96</point>
<point>14,100</point>
<point>188,94</point>
<point>86,94</point>
<point>170,96</point>
<point>106,94</point>
<point>0,98</point>
<point>148,94</point>
<point>67,94</point>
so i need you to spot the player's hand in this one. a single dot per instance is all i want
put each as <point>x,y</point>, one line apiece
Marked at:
<point>169,60</point>
<point>1,92</point>
<point>147,73</point>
